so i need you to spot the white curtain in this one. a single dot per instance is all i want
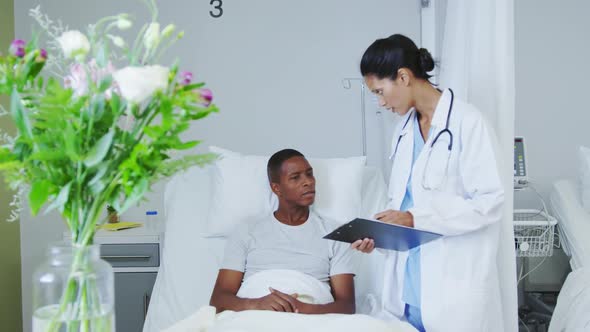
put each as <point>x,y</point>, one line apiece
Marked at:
<point>477,62</point>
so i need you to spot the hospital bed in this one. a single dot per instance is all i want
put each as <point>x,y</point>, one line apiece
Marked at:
<point>573,303</point>
<point>574,222</point>
<point>191,260</point>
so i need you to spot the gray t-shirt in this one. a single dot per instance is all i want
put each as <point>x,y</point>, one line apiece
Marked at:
<point>266,244</point>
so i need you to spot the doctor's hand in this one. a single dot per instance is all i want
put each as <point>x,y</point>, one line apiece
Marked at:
<point>396,217</point>
<point>365,245</point>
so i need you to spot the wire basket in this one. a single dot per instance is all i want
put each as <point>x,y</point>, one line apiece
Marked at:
<point>534,233</point>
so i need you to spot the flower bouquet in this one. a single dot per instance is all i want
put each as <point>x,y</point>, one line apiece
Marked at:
<point>97,120</point>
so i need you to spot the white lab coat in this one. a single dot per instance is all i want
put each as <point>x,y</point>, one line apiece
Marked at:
<point>460,288</point>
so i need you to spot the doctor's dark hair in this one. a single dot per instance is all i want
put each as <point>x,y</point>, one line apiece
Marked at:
<point>276,161</point>
<point>386,56</point>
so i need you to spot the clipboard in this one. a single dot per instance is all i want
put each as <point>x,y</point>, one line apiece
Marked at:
<point>386,236</point>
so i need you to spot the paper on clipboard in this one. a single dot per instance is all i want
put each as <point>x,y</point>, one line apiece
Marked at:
<point>386,236</point>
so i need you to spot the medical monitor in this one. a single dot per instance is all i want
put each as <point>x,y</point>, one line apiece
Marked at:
<point>520,167</point>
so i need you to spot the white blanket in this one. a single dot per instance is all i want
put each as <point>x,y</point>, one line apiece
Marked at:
<point>205,320</point>
<point>307,288</point>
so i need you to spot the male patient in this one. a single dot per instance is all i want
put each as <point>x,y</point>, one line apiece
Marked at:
<point>290,238</point>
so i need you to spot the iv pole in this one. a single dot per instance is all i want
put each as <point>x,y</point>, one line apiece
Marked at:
<point>347,84</point>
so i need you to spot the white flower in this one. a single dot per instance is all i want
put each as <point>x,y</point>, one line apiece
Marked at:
<point>74,44</point>
<point>123,23</point>
<point>151,39</point>
<point>118,41</point>
<point>136,84</point>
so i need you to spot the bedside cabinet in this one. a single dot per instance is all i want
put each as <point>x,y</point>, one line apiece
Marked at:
<point>134,255</point>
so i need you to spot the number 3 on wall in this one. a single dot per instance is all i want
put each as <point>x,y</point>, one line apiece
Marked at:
<point>217,5</point>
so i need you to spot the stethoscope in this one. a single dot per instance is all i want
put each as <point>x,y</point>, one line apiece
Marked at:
<point>425,184</point>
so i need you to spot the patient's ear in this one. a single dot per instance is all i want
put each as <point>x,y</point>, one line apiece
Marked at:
<point>275,188</point>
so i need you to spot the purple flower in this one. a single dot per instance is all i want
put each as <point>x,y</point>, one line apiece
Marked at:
<point>17,48</point>
<point>206,96</point>
<point>186,77</point>
<point>78,79</point>
<point>42,56</point>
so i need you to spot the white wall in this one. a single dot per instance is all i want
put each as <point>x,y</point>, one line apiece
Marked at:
<point>552,112</point>
<point>552,71</point>
<point>275,68</point>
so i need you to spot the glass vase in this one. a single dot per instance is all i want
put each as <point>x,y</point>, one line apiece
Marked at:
<point>74,291</point>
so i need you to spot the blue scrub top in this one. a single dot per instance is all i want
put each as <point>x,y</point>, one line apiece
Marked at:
<point>411,291</point>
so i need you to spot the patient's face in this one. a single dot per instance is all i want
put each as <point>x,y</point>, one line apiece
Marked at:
<point>297,183</point>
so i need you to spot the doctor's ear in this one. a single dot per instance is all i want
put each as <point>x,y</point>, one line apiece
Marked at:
<point>403,76</point>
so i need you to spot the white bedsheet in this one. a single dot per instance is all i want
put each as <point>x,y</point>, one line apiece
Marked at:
<point>205,320</point>
<point>307,288</point>
<point>573,222</point>
<point>572,312</point>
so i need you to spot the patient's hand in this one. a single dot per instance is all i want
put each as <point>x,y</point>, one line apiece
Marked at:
<point>297,305</point>
<point>364,245</point>
<point>276,301</point>
<point>342,286</point>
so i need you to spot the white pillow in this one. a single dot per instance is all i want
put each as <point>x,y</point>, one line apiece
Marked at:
<point>241,189</point>
<point>339,184</point>
<point>584,173</point>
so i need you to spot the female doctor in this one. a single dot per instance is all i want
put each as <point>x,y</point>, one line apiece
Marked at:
<point>444,179</point>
